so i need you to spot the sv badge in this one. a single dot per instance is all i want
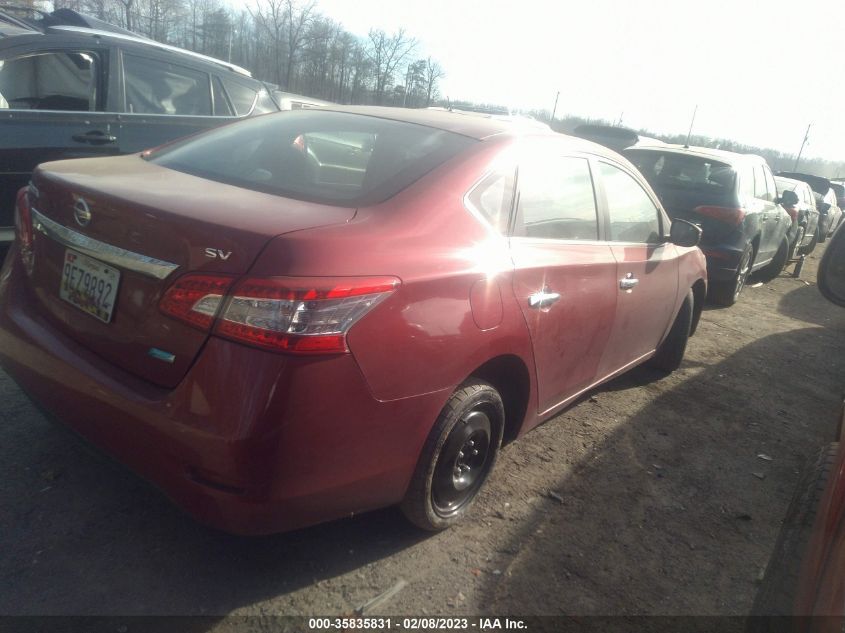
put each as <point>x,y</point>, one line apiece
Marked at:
<point>216,253</point>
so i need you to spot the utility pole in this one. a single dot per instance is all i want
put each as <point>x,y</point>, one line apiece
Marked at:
<point>689,134</point>
<point>804,142</point>
<point>619,122</point>
<point>555,108</point>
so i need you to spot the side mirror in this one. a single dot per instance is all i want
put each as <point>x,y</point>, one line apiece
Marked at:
<point>788,198</point>
<point>684,233</point>
<point>823,207</point>
<point>831,278</point>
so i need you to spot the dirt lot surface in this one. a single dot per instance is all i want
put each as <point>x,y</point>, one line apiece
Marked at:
<point>654,496</point>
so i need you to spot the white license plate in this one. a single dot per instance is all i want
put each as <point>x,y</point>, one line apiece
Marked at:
<point>89,285</point>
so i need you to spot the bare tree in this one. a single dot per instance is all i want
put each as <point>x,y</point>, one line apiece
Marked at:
<point>433,72</point>
<point>386,52</point>
<point>298,20</point>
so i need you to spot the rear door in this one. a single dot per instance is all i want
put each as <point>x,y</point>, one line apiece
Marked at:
<point>646,270</point>
<point>164,100</point>
<point>565,277</point>
<point>53,104</point>
<point>769,215</point>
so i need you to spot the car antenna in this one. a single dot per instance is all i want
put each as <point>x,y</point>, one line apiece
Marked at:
<point>689,134</point>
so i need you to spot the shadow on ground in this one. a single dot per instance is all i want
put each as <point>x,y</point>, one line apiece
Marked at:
<point>696,470</point>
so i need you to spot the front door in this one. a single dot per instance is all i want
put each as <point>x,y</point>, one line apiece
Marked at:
<point>646,269</point>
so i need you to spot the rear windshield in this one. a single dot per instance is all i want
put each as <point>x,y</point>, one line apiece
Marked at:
<point>327,157</point>
<point>683,172</point>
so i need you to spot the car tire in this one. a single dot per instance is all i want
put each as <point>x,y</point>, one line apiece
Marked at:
<point>670,353</point>
<point>809,248</point>
<point>457,457</point>
<point>725,293</point>
<point>776,596</point>
<point>776,266</point>
<point>796,248</point>
<point>822,235</point>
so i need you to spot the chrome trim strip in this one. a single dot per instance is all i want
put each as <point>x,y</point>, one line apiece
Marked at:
<point>108,253</point>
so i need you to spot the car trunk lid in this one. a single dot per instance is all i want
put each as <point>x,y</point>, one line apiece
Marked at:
<point>149,225</point>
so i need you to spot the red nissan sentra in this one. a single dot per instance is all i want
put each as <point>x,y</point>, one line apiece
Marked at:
<point>313,314</point>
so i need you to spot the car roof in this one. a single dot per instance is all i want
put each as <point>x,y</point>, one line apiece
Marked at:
<point>721,155</point>
<point>14,29</point>
<point>790,182</point>
<point>475,125</point>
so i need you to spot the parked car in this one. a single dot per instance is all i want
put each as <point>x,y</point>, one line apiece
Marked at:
<point>241,334</point>
<point>805,578</point>
<point>734,199</point>
<point>830,213</point>
<point>615,137</point>
<point>73,86</point>
<point>803,235</point>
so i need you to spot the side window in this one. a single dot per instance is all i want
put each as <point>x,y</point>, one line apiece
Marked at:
<point>64,80</point>
<point>556,199</point>
<point>633,216</point>
<point>761,189</point>
<point>155,87</point>
<point>770,183</point>
<point>746,184</point>
<point>493,198</point>
<point>221,103</point>
<point>242,97</point>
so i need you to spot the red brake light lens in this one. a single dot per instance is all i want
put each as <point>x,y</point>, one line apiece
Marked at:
<point>300,315</point>
<point>728,215</point>
<point>196,299</point>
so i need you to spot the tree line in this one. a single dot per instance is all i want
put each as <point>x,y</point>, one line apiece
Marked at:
<point>285,42</point>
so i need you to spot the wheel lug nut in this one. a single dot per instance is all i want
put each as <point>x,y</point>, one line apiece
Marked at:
<point>475,451</point>
<point>472,442</point>
<point>460,454</point>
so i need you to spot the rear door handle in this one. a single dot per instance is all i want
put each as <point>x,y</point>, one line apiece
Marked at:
<point>94,137</point>
<point>628,282</point>
<point>543,299</point>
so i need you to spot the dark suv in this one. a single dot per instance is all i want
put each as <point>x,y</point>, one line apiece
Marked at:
<point>73,86</point>
<point>733,197</point>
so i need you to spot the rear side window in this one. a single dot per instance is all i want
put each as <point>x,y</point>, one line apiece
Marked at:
<point>221,103</point>
<point>242,97</point>
<point>633,216</point>
<point>327,157</point>
<point>155,87</point>
<point>50,81</point>
<point>556,199</point>
<point>493,198</point>
<point>761,187</point>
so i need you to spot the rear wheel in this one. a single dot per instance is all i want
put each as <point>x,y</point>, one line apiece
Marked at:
<point>457,457</point>
<point>809,248</point>
<point>669,355</point>
<point>726,293</point>
<point>796,249</point>
<point>774,267</point>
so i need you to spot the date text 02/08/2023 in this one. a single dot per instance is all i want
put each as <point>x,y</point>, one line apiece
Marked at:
<point>410,624</point>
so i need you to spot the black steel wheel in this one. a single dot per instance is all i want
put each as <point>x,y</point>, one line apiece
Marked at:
<point>457,457</point>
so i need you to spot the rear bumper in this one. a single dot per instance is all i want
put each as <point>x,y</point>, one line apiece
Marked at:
<point>250,441</point>
<point>722,262</point>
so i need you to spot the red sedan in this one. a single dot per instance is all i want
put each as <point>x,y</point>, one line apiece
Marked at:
<point>309,315</point>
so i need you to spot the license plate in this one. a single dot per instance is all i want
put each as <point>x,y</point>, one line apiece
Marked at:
<point>89,285</point>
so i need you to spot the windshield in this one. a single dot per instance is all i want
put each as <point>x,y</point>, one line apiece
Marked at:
<point>327,157</point>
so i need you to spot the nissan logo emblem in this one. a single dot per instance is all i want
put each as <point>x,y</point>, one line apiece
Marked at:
<point>81,212</point>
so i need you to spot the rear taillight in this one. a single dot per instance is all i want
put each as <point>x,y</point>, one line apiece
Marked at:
<point>290,314</point>
<point>23,219</point>
<point>303,315</point>
<point>792,211</point>
<point>195,299</point>
<point>728,215</point>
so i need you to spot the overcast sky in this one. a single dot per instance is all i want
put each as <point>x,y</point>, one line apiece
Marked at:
<point>758,71</point>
